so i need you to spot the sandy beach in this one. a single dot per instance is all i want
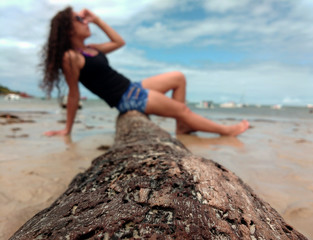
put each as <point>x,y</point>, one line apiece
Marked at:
<point>274,157</point>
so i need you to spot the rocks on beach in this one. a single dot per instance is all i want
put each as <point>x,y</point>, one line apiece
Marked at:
<point>8,118</point>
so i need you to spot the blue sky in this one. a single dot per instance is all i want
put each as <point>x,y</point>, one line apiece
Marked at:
<point>259,51</point>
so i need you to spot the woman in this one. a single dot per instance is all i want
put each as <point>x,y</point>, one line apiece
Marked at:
<point>65,51</point>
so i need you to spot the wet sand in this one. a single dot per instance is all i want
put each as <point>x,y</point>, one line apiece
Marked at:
<point>274,158</point>
<point>33,175</point>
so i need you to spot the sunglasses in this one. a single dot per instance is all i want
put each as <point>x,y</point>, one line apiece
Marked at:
<point>79,19</point>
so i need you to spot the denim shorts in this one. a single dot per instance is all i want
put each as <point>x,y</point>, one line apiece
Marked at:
<point>134,98</point>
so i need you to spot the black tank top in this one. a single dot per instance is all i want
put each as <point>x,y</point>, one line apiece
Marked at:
<point>102,80</point>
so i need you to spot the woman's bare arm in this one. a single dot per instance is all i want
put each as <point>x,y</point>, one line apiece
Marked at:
<point>71,71</point>
<point>116,41</point>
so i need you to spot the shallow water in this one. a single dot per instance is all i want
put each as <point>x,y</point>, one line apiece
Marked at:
<point>274,157</point>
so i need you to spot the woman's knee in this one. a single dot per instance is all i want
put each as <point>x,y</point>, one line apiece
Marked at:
<point>180,78</point>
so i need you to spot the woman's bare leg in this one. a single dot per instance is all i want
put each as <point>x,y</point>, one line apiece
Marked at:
<point>161,105</point>
<point>165,82</point>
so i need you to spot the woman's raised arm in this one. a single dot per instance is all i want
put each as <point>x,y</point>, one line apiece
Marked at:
<point>116,40</point>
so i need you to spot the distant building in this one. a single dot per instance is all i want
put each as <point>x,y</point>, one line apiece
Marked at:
<point>205,104</point>
<point>228,105</point>
<point>12,97</point>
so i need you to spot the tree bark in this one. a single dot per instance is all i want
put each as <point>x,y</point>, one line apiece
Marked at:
<point>148,185</point>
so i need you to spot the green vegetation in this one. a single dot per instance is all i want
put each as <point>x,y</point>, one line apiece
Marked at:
<point>5,90</point>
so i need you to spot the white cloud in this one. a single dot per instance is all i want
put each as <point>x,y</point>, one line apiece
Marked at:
<point>7,3</point>
<point>112,9</point>
<point>135,65</point>
<point>118,9</point>
<point>183,32</point>
<point>15,43</point>
<point>62,2</point>
<point>18,62</point>
<point>224,5</point>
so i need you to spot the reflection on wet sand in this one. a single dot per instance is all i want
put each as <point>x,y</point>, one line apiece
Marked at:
<point>194,140</point>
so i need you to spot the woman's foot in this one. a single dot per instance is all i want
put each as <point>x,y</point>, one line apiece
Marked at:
<point>235,130</point>
<point>232,130</point>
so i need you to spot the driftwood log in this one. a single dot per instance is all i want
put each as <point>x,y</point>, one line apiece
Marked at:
<point>149,186</point>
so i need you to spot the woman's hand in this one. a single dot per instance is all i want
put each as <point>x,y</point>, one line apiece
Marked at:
<point>63,132</point>
<point>88,15</point>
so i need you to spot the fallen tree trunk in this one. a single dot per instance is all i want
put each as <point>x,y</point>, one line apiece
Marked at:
<point>148,185</point>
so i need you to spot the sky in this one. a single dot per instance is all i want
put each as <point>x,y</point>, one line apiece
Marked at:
<point>246,51</point>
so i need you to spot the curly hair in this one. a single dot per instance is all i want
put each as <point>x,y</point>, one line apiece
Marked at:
<point>59,41</point>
